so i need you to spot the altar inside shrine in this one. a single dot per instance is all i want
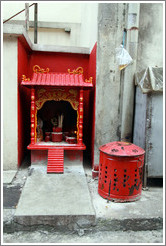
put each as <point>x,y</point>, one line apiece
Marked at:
<point>57,104</point>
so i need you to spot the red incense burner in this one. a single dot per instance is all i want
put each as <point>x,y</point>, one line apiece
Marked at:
<point>120,171</point>
<point>71,140</point>
<point>57,136</point>
<point>57,129</point>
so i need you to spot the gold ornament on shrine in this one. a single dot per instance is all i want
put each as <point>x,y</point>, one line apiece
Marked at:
<point>24,78</point>
<point>37,69</point>
<point>89,81</point>
<point>79,70</point>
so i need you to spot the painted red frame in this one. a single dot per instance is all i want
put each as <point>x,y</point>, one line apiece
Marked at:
<point>57,61</point>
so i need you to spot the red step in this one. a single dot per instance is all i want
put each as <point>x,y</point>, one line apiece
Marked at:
<point>55,161</point>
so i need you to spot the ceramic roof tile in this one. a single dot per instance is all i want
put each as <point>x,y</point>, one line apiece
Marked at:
<point>57,79</point>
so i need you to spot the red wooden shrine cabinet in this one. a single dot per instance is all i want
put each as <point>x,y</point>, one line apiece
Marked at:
<point>56,115</point>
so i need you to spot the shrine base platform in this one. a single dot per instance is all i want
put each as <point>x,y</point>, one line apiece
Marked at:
<point>60,200</point>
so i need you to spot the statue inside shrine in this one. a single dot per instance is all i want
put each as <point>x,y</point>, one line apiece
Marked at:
<point>39,129</point>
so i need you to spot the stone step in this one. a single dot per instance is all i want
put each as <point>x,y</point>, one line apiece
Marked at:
<point>61,201</point>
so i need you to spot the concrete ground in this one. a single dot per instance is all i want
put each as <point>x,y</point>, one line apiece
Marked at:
<point>59,200</point>
<point>100,237</point>
<point>134,222</point>
<point>149,206</point>
<point>8,176</point>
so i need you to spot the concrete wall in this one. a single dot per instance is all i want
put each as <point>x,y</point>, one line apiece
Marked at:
<point>115,89</point>
<point>150,41</point>
<point>111,22</point>
<point>10,103</point>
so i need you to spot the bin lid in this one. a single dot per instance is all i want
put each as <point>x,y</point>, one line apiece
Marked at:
<point>119,148</point>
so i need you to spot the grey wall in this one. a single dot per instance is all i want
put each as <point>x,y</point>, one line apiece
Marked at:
<point>154,136</point>
<point>112,19</point>
<point>150,41</point>
<point>139,137</point>
<point>111,22</point>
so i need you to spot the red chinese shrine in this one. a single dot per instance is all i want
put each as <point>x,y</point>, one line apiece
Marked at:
<point>57,101</point>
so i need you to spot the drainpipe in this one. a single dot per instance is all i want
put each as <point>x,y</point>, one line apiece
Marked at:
<point>27,16</point>
<point>35,23</point>
<point>129,71</point>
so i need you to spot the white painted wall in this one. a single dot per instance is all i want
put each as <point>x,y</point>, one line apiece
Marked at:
<point>89,25</point>
<point>81,16</point>
<point>51,36</point>
<point>54,36</point>
<point>10,103</point>
<point>47,11</point>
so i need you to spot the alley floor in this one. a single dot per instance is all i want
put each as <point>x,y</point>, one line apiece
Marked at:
<point>133,222</point>
<point>155,236</point>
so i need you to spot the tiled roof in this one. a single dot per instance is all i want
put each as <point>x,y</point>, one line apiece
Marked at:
<point>57,79</point>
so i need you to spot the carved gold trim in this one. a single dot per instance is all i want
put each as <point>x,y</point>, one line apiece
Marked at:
<point>78,70</point>
<point>24,78</point>
<point>56,99</point>
<point>35,125</point>
<point>57,95</point>
<point>77,125</point>
<point>89,81</point>
<point>37,69</point>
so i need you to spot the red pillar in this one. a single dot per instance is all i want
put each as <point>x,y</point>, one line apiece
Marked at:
<point>81,117</point>
<point>33,115</point>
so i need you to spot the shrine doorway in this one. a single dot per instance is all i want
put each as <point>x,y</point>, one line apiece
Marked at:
<point>51,110</point>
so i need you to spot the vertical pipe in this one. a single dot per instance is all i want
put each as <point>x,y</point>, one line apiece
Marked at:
<point>27,16</point>
<point>81,117</point>
<point>145,173</point>
<point>128,81</point>
<point>33,114</point>
<point>35,23</point>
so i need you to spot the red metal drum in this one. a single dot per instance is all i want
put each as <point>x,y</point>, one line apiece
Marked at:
<point>120,171</point>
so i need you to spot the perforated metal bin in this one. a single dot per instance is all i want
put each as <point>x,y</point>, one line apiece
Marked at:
<point>120,171</point>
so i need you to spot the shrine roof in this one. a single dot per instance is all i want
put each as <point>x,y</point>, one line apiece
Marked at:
<point>57,79</point>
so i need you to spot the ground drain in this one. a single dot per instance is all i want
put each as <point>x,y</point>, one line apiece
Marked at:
<point>11,195</point>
